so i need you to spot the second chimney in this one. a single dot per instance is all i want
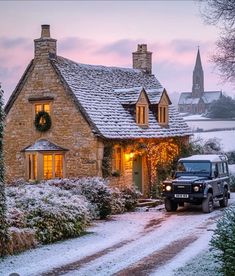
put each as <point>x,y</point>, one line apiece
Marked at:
<point>142,59</point>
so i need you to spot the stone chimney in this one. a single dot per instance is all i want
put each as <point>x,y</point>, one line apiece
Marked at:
<point>142,59</point>
<point>44,45</point>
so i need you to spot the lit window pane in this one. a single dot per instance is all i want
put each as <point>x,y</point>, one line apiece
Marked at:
<point>58,165</point>
<point>34,166</point>
<point>46,107</point>
<point>38,107</point>
<point>47,166</point>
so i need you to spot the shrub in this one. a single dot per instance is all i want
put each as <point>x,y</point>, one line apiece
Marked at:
<point>130,196</point>
<point>232,183</point>
<point>54,213</point>
<point>96,191</point>
<point>118,202</point>
<point>21,239</point>
<point>223,241</point>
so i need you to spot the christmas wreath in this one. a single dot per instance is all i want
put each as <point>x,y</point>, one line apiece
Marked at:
<point>42,121</point>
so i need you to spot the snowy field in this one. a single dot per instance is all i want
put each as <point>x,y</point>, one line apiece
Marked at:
<point>226,137</point>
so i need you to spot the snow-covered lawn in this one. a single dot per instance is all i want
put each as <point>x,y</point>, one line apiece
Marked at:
<point>226,138</point>
<point>193,117</point>
<point>124,243</point>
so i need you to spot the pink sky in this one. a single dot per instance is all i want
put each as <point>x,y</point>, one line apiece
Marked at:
<point>107,32</point>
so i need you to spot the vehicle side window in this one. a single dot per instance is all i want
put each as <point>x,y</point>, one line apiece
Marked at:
<point>220,168</point>
<point>225,167</point>
<point>214,170</point>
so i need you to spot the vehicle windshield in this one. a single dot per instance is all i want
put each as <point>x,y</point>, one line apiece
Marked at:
<point>193,167</point>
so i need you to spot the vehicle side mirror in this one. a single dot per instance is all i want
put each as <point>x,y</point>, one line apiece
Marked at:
<point>173,173</point>
<point>216,174</point>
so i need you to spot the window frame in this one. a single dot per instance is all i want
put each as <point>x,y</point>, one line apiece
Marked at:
<point>117,163</point>
<point>42,103</point>
<point>163,114</point>
<point>39,170</point>
<point>145,117</point>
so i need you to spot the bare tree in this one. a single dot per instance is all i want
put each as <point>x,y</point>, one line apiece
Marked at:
<point>222,14</point>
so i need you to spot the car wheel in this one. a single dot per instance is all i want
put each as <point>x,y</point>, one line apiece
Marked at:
<point>208,204</point>
<point>170,205</point>
<point>224,202</point>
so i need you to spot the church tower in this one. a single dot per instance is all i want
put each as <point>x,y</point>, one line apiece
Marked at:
<point>198,78</point>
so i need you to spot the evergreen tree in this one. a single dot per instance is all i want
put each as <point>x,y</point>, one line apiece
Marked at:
<point>222,108</point>
<point>3,223</point>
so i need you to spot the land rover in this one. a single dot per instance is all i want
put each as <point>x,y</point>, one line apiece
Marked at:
<point>199,179</point>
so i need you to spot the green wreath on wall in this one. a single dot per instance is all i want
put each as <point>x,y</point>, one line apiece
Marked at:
<point>42,121</point>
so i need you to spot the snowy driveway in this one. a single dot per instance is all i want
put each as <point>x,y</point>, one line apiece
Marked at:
<point>138,243</point>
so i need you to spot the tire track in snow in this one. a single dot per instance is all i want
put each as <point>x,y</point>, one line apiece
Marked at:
<point>151,226</point>
<point>158,258</point>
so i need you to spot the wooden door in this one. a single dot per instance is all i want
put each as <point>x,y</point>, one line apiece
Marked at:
<point>137,172</point>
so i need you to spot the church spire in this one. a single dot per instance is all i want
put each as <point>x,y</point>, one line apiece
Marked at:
<point>198,78</point>
<point>198,63</point>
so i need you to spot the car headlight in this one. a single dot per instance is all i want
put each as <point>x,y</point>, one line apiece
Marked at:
<point>168,188</point>
<point>196,188</point>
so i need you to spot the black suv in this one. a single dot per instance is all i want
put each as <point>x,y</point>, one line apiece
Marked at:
<point>199,179</point>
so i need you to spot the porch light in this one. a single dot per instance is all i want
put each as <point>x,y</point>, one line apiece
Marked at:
<point>129,156</point>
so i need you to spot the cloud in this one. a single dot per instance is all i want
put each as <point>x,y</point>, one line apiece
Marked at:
<point>121,47</point>
<point>9,43</point>
<point>75,43</point>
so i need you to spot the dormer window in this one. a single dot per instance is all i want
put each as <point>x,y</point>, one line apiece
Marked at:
<point>163,109</point>
<point>142,109</point>
<point>142,114</point>
<point>163,115</point>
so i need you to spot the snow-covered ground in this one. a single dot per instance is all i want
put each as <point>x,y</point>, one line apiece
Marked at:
<point>139,242</point>
<point>193,117</point>
<point>226,138</point>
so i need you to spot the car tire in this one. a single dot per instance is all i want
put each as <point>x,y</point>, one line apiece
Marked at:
<point>208,204</point>
<point>170,205</point>
<point>224,202</point>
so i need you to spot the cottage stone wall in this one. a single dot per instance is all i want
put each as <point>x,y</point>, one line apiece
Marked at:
<point>69,128</point>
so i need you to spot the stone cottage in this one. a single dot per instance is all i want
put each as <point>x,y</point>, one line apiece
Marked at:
<point>66,119</point>
<point>198,101</point>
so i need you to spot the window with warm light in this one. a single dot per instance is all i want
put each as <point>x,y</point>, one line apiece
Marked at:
<point>47,166</point>
<point>52,166</point>
<point>42,107</point>
<point>142,114</point>
<point>117,160</point>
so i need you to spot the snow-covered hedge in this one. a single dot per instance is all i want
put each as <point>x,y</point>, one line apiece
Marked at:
<point>223,241</point>
<point>54,213</point>
<point>62,208</point>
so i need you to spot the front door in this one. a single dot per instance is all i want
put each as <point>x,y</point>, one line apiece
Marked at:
<point>137,172</point>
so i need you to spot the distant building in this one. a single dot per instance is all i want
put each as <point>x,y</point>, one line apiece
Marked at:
<point>198,101</point>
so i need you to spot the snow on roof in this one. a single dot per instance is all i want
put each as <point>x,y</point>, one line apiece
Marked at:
<point>208,97</point>
<point>205,157</point>
<point>128,95</point>
<point>44,145</point>
<point>101,90</point>
<point>131,95</point>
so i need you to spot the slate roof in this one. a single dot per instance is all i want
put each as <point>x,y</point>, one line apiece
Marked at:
<point>100,92</point>
<point>44,145</point>
<point>131,95</point>
<point>208,97</point>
